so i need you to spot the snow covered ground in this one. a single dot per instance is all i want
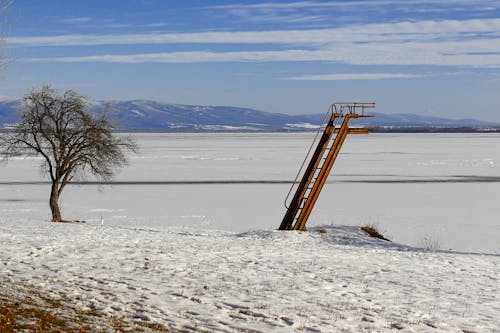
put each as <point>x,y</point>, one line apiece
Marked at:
<point>261,281</point>
<point>442,187</point>
<point>188,238</point>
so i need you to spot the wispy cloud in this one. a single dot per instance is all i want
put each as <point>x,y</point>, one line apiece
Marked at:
<point>279,18</point>
<point>155,25</point>
<point>282,11</point>
<point>474,42</point>
<point>436,53</point>
<point>353,76</point>
<point>323,4</point>
<point>366,33</point>
<point>72,20</point>
<point>272,13</point>
<point>195,56</point>
<point>6,98</point>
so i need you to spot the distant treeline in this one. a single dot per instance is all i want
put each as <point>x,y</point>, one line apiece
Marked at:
<point>391,129</point>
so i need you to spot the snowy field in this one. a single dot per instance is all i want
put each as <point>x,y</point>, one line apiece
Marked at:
<point>441,187</point>
<point>187,237</point>
<point>261,281</point>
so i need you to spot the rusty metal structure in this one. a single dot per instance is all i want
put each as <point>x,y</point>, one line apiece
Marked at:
<point>335,127</point>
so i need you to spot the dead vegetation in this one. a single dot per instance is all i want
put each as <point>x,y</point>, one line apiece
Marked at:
<point>24,315</point>
<point>23,309</point>
<point>430,243</point>
<point>372,230</point>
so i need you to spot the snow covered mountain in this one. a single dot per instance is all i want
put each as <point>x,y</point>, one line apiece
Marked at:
<point>149,115</point>
<point>146,115</point>
<point>8,112</point>
<point>415,120</point>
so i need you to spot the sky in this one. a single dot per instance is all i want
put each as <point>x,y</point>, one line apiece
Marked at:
<point>429,57</point>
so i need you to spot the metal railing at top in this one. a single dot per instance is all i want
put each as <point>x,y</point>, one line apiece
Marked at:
<point>352,107</point>
<point>337,107</point>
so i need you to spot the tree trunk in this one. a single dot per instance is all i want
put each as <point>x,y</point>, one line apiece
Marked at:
<point>54,202</point>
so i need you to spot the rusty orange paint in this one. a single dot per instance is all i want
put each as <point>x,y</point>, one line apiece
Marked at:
<point>316,174</point>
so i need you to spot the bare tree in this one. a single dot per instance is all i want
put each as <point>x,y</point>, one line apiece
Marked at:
<point>71,140</point>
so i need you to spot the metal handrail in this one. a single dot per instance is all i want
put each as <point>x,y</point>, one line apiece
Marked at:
<point>337,107</point>
<point>330,109</point>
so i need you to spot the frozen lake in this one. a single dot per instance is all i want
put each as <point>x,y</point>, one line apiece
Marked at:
<point>443,187</point>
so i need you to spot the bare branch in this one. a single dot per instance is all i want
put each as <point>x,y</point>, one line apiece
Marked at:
<point>71,140</point>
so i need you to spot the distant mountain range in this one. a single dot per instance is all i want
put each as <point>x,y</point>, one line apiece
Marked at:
<point>145,115</point>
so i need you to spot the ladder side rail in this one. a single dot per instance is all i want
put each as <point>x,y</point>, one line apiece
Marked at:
<point>294,206</point>
<point>323,175</point>
<point>320,129</point>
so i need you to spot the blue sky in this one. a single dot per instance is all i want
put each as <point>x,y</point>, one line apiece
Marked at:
<point>430,57</point>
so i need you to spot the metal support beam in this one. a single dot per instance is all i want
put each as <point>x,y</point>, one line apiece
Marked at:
<point>321,162</point>
<point>323,175</point>
<point>293,208</point>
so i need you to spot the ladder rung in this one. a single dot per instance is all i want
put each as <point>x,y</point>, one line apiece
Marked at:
<point>326,149</point>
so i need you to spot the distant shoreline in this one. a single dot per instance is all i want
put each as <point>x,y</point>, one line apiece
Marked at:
<point>435,130</point>
<point>378,129</point>
<point>391,129</point>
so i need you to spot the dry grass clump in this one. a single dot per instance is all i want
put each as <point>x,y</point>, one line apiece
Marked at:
<point>373,232</point>
<point>26,310</point>
<point>18,315</point>
<point>430,243</point>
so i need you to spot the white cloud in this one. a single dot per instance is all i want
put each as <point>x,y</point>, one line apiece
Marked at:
<point>473,43</point>
<point>195,56</point>
<point>367,33</point>
<point>353,76</point>
<point>301,5</point>
<point>280,18</point>
<point>76,20</point>
<point>427,53</point>
<point>155,25</point>
<point>283,10</point>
